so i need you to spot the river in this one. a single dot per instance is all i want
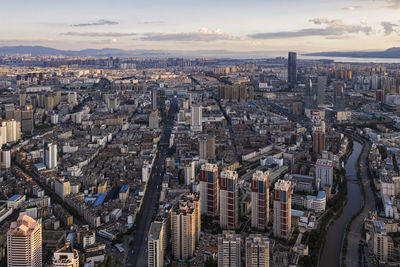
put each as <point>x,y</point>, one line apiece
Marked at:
<point>331,254</point>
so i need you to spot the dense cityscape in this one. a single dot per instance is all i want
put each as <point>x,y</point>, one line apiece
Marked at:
<point>198,162</point>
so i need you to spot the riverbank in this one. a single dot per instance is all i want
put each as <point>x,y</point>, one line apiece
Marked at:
<point>331,254</point>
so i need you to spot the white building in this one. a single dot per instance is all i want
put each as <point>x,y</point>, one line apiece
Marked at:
<point>196,119</point>
<point>6,159</point>
<point>50,155</point>
<point>189,171</point>
<point>66,257</point>
<point>257,251</point>
<point>155,245</point>
<point>229,249</point>
<point>24,243</point>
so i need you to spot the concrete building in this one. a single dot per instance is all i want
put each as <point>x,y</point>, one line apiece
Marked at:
<point>186,225</point>
<point>260,200</point>
<point>50,155</point>
<point>24,243</point>
<point>382,243</point>
<point>66,257</point>
<point>196,119</point>
<point>62,187</point>
<point>292,68</point>
<point>229,247</point>
<point>5,159</point>
<point>155,245</point>
<point>321,88</point>
<point>324,172</point>
<point>154,120</point>
<point>319,141</point>
<point>257,251</point>
<point>15,201</point>
<point>229,200</point>
<point>209,189</point>
<point>282,209</point>
<point>189,172</point>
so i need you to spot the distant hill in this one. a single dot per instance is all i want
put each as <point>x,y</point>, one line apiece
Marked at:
<point>393,52</point>
<point>113,52</point>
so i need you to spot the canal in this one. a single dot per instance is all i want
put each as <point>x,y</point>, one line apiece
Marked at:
<point>331,254</point>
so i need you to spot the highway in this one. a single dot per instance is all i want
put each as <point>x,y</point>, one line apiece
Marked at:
<point>137,255</point>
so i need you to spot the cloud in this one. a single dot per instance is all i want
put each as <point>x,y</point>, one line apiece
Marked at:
<point>331,28</point>
<point>394,4</point>
<point>99,34</point>
<point>151,22</point>
<point>351,8</point>
<point>100,22</point>
<point>389,27</point>
<point>203,35</point>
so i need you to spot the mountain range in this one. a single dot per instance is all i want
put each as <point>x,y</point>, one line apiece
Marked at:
<point>393,52</point>
<point>114,52</point>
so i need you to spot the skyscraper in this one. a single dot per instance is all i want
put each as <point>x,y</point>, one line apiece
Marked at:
<point>24,243</point>
<point>292,68</point>
<point>154,98</point>
<point>229,249</point>
<point>318,141</point>
<point>50,155</point>
<point>282,209</point>
<point>321,83</point>
<point>66,257</point>
<point>196,118</point>
<point>338,97</point>
<point>257,251</point>
<point>229,200</point>
<point>209,189</point>
<point>260,200</point>
<point>186,226</point>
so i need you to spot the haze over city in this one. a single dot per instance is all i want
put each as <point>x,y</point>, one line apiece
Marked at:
<point>255,25</point>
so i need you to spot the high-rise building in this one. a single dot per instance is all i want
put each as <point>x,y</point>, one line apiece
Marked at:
<point>22,99</point>
<point>154,120</point>
<point>155,245</point>
<point>50,155</point>
<point>260,200</point>
<point>292,68</point>
<point>66,257</point>
<point>229,246</point>
<point>189,172</point>
<point>186,226</point>
<point>207,147</point>
<point>318,141</point>
<point>382,243</point>
<point>203,147</point>
<point>338,97</point>
<point>24,243</point>
<point>196,121</point>
<point>321,85</point>
<point>209,189</point>
<point>62,187</point>
<point>229,200</point>
<point>72,98</point>
<point>257,251</point>
<point>324,172</point>
<point>5,159</point>
<point>27,120</point>
<point>154,98</point>
<point>282,209</point>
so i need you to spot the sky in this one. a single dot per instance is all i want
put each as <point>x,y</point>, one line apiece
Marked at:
<point>189,25</point>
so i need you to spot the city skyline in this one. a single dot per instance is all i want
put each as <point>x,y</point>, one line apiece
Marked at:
<point>184,25</point>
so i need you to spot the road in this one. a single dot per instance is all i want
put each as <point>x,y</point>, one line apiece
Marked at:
<point>231,133</point>
<point>138,254</point>
<point>354,235</point>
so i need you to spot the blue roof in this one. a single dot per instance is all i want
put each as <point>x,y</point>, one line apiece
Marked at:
<point>124,188</point>
<point>40,165</point>
<point>321,194</point>
<point>14,197</point>
<point>100,199</point>
<point>297,213</point>
<point>136,192</point>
